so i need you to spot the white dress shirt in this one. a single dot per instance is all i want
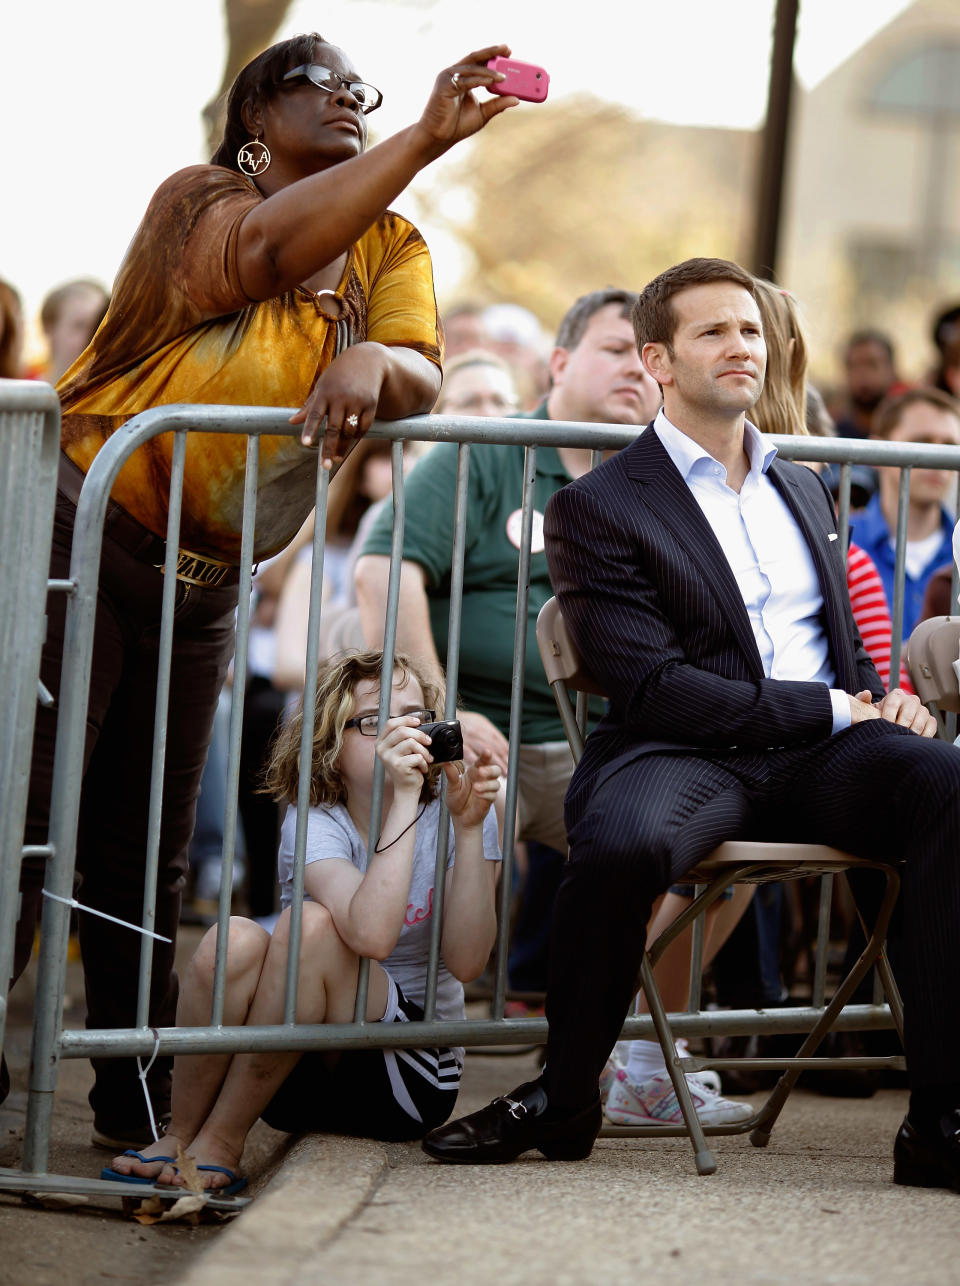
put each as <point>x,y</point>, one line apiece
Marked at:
<point>768,556</point>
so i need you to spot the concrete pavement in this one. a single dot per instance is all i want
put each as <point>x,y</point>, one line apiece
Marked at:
<point>816,1206</point>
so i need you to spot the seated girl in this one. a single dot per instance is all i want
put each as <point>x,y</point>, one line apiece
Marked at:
<point>379,907</point>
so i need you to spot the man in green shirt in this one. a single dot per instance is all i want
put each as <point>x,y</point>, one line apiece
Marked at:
<point>596,376</point>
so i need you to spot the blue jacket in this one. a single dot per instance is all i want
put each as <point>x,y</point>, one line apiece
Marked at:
<point>871,533</point>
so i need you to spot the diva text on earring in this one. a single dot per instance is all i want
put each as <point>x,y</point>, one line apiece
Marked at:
<point>253,158</point>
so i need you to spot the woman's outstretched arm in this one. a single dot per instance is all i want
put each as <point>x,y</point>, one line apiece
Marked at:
<point>307,224</point>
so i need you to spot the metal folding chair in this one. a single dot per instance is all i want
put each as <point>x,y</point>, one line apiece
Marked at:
<point>731,862</point>
<point>933,659</point>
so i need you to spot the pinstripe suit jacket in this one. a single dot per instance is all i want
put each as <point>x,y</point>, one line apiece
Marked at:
<point>657,615</point>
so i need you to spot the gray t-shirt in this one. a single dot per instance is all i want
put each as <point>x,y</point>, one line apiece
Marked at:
<point>331,833</point>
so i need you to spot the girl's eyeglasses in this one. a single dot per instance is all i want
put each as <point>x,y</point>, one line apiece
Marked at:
<point>367,723</point>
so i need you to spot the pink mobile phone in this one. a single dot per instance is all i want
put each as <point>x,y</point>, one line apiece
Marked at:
<point>523,80</point>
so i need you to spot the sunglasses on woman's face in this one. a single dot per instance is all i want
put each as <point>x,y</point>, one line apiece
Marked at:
<point>331,81</point>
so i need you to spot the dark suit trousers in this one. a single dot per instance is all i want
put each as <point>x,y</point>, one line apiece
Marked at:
<point>875,790</point>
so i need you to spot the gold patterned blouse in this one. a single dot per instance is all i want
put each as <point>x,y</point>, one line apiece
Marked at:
<point>180,329</point>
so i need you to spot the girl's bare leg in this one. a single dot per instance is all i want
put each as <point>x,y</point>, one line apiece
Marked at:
<point>326,993</point>
<point>673,967</point>
<point>728,917</point>
<point>197,1078</point>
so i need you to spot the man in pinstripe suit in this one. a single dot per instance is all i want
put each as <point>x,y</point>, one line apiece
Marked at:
<point>702,581</point>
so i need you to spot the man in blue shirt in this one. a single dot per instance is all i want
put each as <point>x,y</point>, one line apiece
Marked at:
<point>920,415</point>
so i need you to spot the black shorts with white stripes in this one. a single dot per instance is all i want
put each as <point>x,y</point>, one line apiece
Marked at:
<point>389,1094</point>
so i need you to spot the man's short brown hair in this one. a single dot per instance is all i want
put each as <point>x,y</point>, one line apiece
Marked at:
<point>654,321</point>
<point>577,317</point>
<point>890,411</point>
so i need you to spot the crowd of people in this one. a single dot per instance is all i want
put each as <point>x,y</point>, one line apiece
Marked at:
<point>267,278</point>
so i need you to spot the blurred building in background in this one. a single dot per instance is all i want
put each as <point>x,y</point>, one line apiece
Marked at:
<point>872,229</point>
<point>587,195</point>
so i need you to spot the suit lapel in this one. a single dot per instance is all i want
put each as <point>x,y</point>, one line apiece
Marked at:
<point>833,588</point>
<point>666,493</point>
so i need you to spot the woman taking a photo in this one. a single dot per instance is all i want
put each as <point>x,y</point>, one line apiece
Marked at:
<point>275,276</point>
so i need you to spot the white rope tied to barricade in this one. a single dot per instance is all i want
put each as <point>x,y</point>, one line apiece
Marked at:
<point>147,933</point>
<point>78,906</point>
<point>142,1073</point>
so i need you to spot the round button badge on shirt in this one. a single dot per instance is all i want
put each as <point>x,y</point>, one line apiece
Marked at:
<point>515,527</point>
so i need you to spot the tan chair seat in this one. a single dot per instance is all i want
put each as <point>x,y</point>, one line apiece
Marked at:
<point>777,861</point>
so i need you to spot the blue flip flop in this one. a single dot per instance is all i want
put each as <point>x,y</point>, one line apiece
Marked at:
<point>237,1182</point>
<point>108,1173</point>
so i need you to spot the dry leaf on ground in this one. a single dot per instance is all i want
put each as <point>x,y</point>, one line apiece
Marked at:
<point>149,1210</point>
<point>56,1200</point>
<point>186,1208</point>
<point>188,1171</point>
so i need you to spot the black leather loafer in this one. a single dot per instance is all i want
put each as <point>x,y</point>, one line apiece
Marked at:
<point>515,1124</point>
<point>929,1159</point>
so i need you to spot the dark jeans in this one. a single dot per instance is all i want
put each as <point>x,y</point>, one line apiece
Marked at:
<point>875,790</point>
<point>259,815</point>
<point>112,835</point>
<point>206,844</point>
<point>262,714</point>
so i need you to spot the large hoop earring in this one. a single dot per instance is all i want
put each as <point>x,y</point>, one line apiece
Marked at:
<point>253,158</point>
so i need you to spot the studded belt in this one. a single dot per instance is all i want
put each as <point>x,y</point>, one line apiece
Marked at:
<point>145,545</point>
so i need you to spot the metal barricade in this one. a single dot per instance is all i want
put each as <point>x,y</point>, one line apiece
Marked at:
<point>50,1042</point>
<point>29,456</point>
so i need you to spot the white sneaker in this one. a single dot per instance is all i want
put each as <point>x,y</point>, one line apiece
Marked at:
<point>654,1102</point>
<point>612,1066</point>
<point>707,1077</point>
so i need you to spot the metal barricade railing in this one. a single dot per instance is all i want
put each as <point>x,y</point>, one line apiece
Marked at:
<point>29,456</point>
<point>50,1042</point>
